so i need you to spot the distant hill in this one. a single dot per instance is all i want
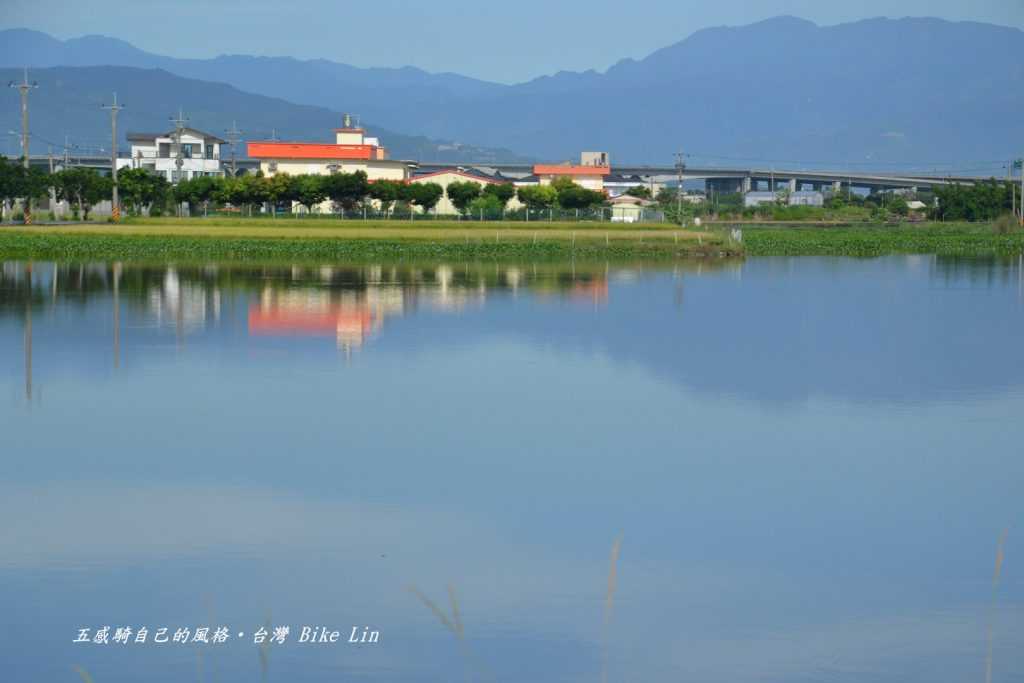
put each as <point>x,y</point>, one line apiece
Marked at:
<point>68,101</point>
<point>872,92</point>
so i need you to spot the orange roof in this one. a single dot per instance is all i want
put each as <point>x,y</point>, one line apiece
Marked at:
<point>557,169</point>
<point>309,150</point>
<point>285,321</point>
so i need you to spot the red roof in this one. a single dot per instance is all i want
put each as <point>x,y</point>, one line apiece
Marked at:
<point>309,150</point>
<point>557,169</point>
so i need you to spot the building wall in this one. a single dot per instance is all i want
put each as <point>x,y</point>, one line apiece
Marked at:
<point>591,182</point>
<point>445,206</point>
<point>374,169</point>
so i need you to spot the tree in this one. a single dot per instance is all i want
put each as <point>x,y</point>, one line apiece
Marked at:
<point>255,189</point>
<point>279,189</point>
<point>461,193</point>
<point>228,190</point>
<point>308,190</point>
<point>641,191</point>
<point>573,196</point>
<point>347,189</point>
<point>387,192</point>
<point>424,195</point>
<point>487,205</point>
<point>11,179</point>
<point>563,183</point>
<point>502,192</point>
<point>978,202</point>
<point>140,189</point>
<point>195,192</point>
<point>538,197</point>
<point>898,205</point>
<point>82,187</point>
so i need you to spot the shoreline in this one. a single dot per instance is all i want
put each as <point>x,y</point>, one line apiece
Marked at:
<point>236,239</point>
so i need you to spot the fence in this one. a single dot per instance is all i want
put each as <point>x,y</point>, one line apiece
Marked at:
<point>404,212</point>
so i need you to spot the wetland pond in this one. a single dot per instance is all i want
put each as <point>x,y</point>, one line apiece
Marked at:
<point>780,469</point>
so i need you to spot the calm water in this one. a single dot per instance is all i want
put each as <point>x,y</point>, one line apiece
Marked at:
<point>803,465</point>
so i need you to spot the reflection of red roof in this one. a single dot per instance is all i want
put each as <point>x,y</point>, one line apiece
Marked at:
<point>309,150</point>
<point>270,321</point>
<point>596,291</point>
<point>555,169</point>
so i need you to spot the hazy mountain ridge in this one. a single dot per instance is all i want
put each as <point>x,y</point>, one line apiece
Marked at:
<point>872,91</point>
<point>68,101</point>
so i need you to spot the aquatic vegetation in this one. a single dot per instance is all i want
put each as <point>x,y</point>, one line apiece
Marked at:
<point>131,247</point>
<point>927,238</point>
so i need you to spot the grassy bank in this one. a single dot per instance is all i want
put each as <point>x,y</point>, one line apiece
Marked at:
<point>303,239</point>
<point>966,239</point>
<point>299,239</point>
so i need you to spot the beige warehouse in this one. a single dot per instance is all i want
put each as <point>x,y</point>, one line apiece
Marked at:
<point>448,176</point>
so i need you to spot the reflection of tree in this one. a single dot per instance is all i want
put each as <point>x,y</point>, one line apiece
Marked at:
<point>987,270</point>
<point>188,294</point>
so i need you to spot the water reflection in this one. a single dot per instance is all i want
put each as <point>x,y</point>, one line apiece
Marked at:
<point>809,461</point>
<point>350,303</point>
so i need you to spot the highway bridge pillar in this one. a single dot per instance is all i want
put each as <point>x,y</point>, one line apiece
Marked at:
<point>837,186</point>
<point>746,184</point>
<point>793,185</point>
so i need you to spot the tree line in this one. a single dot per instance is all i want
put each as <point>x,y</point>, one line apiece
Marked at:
<point>142,191</point>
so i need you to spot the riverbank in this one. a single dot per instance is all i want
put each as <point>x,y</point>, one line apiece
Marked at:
<point>952,239</point>
<point>304,239</point>
<point>324,239</point>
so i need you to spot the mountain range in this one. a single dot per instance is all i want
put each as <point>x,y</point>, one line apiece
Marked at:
<point>873,92</point>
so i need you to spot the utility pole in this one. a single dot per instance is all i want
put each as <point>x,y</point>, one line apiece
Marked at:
<point>234,137</point>
<point>1010,166</point>
<point>53,190</point>
<point>1020,165</point>
<point>115,205</point>
<point>680,167</point>
<point>67,152</point>
<point>179,126</point>
<point>24,87</point>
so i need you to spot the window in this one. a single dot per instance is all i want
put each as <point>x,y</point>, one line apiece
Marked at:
<point>209,151</point>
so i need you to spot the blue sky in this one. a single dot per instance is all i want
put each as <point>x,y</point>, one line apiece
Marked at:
<point>500,41</point>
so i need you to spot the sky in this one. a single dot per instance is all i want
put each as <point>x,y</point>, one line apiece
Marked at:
<point>499,41</point>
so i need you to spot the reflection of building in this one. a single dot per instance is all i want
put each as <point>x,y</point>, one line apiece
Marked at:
<point>184,305</point>
<point>351,317</point>
<point>595,291</point>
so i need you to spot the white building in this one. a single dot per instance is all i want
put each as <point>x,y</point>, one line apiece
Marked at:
<point>758,198</point>
<point>159,153</point>
<point>806,198</point>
